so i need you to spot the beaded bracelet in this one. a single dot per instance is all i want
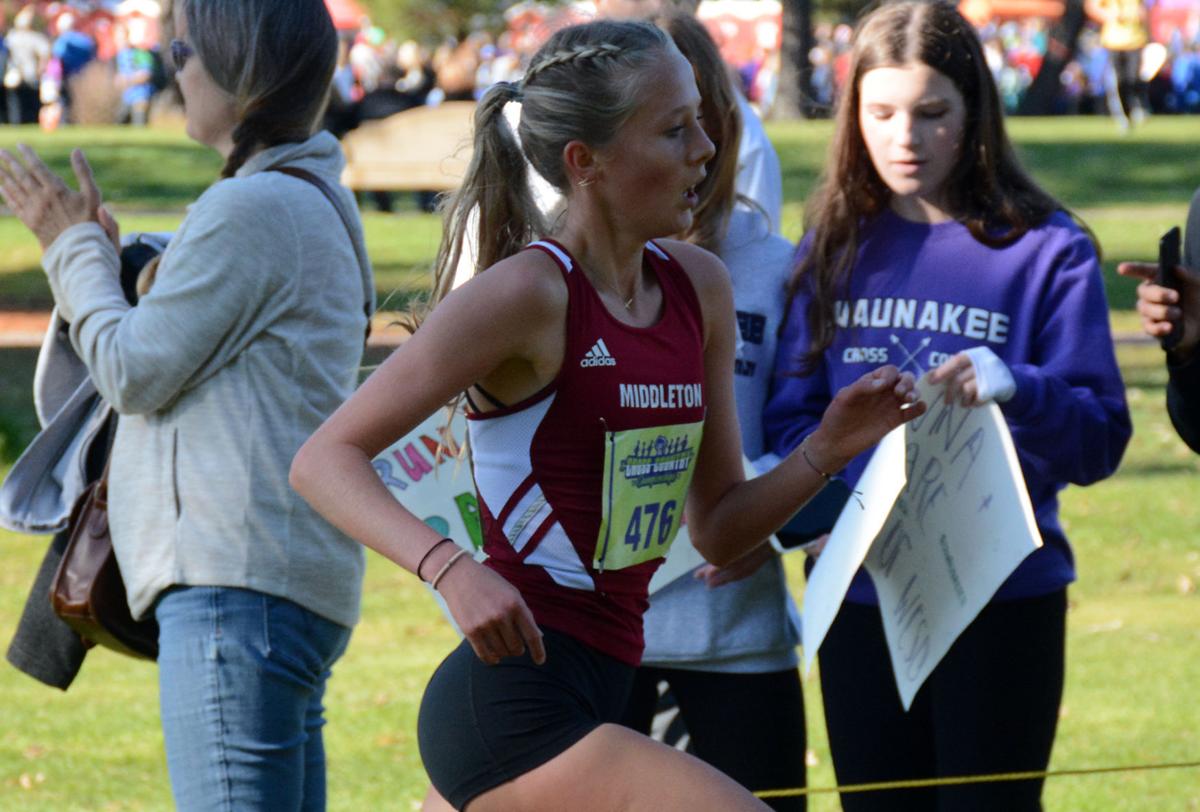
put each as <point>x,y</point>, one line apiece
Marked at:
<point>450,562</point>
<point>429,552</point>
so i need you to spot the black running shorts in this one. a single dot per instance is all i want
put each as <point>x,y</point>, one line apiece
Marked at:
<point>481,725</point>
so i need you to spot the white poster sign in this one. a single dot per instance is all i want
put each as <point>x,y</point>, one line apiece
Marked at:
<point>856,528</point>
<point>958,522</point>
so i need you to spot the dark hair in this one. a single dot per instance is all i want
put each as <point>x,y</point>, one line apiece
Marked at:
<point>722,123</point>
<point>582,85</point>
<point>987,190</point>
<point>275,58</point>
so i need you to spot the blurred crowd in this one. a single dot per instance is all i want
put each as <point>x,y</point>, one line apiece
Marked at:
<point>100,62</point>
<point>1015,48</point>
<point>380,74</point>
<point>88,62</point>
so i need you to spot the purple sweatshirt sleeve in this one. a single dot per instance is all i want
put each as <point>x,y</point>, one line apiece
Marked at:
<point>796,404</point>
<point>1068,416</point>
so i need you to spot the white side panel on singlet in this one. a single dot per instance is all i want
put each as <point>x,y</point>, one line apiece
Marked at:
<point>556,555</point>
<point>501,449</point>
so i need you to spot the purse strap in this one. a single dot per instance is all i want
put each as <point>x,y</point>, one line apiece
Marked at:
<point>327,191</point>
<point>100,494</point>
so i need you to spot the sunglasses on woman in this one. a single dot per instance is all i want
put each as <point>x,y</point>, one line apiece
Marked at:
<point>180,51</point>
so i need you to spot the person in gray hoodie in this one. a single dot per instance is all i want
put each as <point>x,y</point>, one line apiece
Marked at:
<point>249,337</point>
<point>724,639</point>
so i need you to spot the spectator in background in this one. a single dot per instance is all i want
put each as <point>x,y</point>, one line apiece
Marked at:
<point>366,58</point>
<point>925,200</point>
<point>1123,34</point>
<point>1093,61</point>
<point>1163,310</point>
<point>416,75</point>
<point>135,78</point>
<point>3,71</point>
<point>74,50</point>
<point>1184,96</point>
<point>456,65</point>
<point>28,56</point>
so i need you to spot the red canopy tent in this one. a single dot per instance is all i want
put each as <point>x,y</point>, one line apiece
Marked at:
<point>346,14</point>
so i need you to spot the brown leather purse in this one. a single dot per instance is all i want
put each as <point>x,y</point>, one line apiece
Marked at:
<point>88,592</point>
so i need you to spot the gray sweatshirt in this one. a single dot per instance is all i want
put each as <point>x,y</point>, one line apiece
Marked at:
<point>249,338</point>
<point>749,625</point>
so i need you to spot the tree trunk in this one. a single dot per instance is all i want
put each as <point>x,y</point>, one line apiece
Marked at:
<point>1043,93</point>
<point>794,97</point>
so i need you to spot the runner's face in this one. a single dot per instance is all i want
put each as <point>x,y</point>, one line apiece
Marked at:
<point>649,171</point>
<point>912,118</point>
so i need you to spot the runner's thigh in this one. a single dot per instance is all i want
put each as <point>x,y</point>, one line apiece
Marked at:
<point>614,769</point>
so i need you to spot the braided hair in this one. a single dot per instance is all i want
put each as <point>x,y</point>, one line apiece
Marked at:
<point>582,85</point>
<point>569,55</point>
<point>275,58</point>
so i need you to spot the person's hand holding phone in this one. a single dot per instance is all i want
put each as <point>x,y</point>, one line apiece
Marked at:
<point>1168,298</point>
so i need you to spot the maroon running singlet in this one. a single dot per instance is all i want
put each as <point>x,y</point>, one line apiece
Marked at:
<point>581,485</point>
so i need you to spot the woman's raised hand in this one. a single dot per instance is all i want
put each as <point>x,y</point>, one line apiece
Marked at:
<point>41,200</point>
<point>491,613</point>
<point>860,415</point>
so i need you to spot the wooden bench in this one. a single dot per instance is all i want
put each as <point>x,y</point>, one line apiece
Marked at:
<point>422,149</point>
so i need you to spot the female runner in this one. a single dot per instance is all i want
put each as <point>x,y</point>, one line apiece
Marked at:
<point>600,359</point>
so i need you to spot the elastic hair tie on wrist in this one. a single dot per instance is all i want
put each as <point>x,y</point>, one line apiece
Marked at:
<point>450,562</point>
<point>429,552</point>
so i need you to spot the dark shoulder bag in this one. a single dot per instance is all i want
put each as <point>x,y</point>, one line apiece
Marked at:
<point>88,592</point>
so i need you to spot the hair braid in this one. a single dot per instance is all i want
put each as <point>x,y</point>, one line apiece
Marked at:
<point>570,55</point>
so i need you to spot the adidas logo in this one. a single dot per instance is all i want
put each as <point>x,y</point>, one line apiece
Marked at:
<point>598,356</point>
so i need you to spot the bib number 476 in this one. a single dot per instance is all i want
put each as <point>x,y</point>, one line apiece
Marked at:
<point>650,523</point>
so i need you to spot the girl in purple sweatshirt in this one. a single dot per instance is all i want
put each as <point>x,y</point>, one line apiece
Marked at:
<point>928,247</point>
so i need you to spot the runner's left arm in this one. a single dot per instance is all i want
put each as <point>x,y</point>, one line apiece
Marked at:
<point>728,515</point>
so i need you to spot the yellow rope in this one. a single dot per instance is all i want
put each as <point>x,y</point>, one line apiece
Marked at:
<point>957,780</point>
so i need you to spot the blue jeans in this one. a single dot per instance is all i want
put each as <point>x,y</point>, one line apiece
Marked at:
<point>241,676</point>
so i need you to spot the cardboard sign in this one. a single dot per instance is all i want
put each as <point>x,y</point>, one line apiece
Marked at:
<point>943,519</point>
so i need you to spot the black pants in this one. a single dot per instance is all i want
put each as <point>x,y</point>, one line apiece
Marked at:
<point>23,104</point>
<point>748,726</point>
<point>1131,90</point>
<point>990,706</point>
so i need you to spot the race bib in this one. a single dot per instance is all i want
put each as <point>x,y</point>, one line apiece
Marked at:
<point>646,477</point>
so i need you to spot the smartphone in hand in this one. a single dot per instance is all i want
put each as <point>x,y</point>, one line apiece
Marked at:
<point>1168,259</point>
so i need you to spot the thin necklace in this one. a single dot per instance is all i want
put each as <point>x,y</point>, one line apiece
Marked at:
<point>627,302</point>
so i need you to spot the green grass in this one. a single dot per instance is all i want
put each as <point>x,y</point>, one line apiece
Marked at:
<point>18,423</point>
<point>1134,622</point>
<point>136,169</point>
<point>1128,189</point>
<point>402,247</point>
